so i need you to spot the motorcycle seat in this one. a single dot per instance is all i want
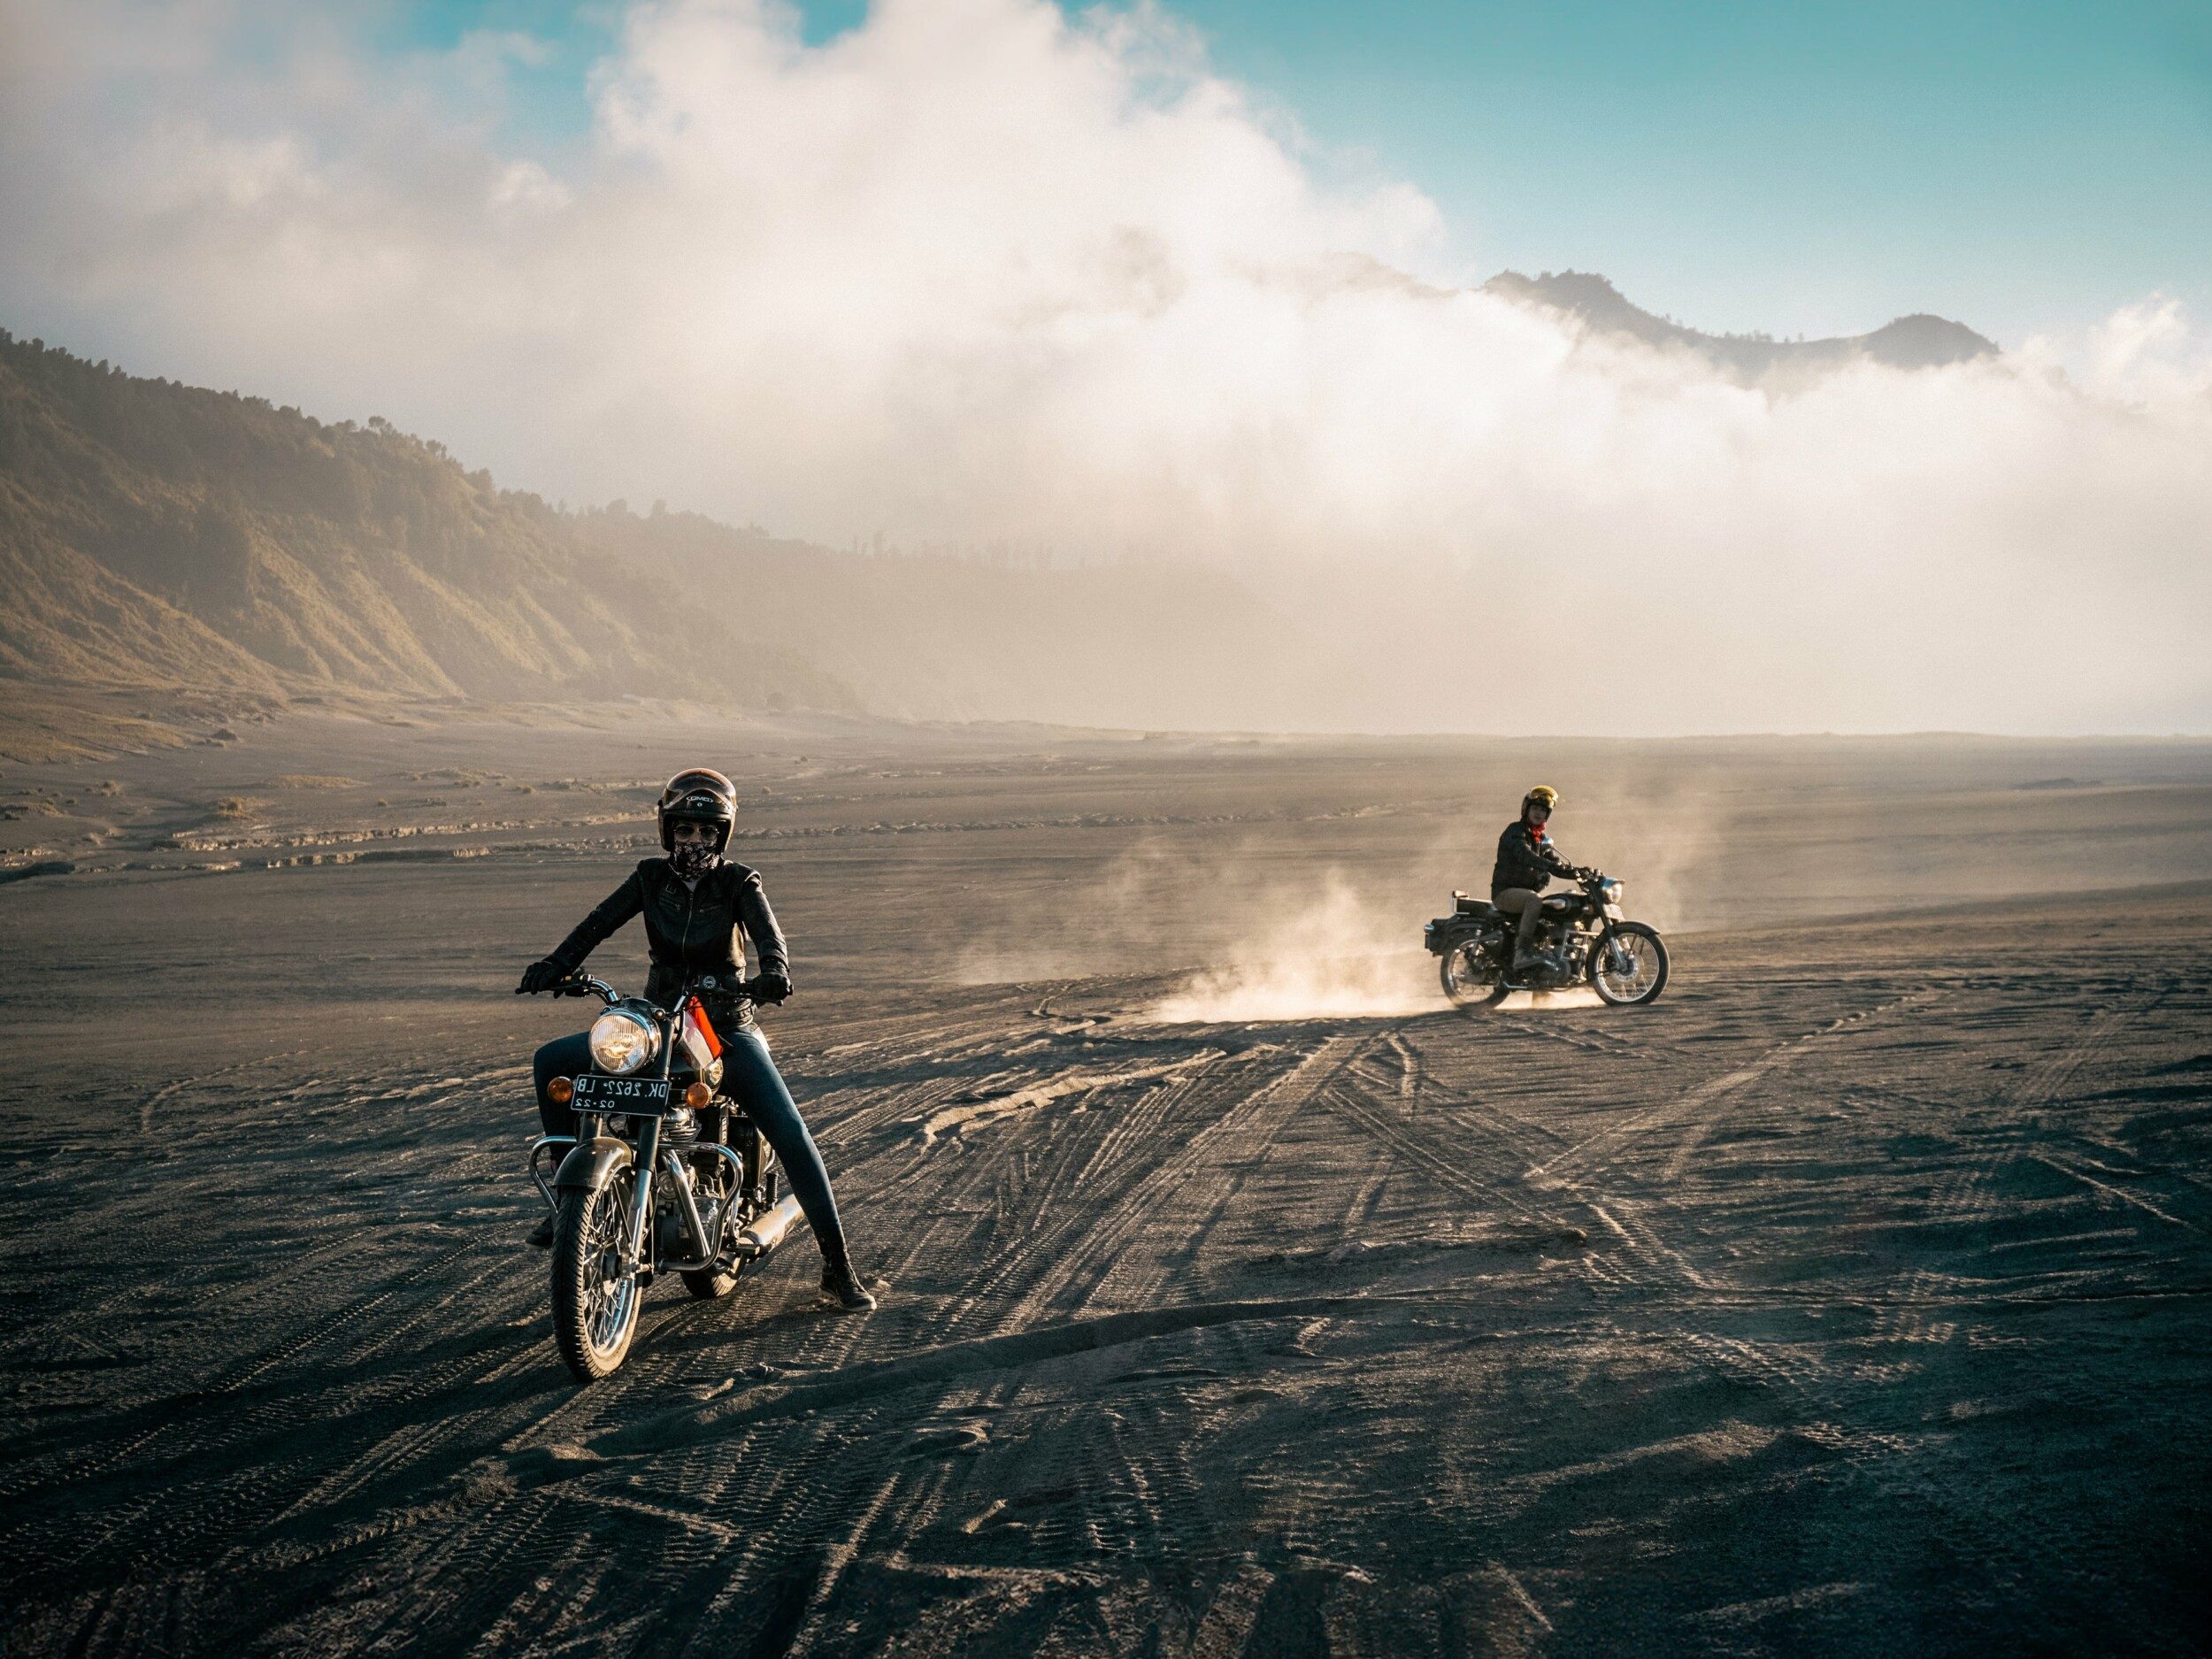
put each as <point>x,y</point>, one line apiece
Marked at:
<point>1466,904</point>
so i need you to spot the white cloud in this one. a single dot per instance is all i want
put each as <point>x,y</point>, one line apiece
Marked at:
<point>976,270</point>
<point>2148,354</point>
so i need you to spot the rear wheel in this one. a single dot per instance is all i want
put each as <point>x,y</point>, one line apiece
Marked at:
<point>708,1284</point>
<point>594,1307</point>
<point>1628,964</point>
<point>1469,979</point>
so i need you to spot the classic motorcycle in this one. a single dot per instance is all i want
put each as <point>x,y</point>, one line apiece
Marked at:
<point>1581,939</point>
<point>663,1174</point>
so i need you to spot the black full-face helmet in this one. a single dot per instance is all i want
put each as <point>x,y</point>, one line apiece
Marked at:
<point>698,795</point>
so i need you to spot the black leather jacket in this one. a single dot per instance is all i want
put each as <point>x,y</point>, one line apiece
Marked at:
<point>1526,859</point>
<point>693,933</point>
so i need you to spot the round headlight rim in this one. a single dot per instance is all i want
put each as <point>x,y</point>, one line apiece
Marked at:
<point>646,1040</point>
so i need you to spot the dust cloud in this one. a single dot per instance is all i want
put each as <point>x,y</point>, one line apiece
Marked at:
<point>1322,918</point>
<point>1342,956</point>
<point>1271,941</point>
<point>1254,929</point>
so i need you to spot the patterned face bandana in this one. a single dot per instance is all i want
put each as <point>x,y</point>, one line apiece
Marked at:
<point>694,856</point>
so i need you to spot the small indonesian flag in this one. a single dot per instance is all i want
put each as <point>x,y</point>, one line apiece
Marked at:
<point>697,1035</point>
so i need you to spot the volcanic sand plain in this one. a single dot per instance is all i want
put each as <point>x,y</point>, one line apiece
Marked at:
<point>1851,1299</point>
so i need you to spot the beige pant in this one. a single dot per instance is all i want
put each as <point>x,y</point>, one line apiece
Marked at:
<point>1528,906</point>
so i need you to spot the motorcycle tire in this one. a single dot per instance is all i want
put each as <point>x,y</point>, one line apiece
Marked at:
<point>595,1318</point>
<point>712,1284</point>
<point>1469,982</point>
<point>1652,975</point>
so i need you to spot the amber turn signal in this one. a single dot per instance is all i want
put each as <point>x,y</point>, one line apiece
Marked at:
<point>698,1096</point>
<point>560,1090</point>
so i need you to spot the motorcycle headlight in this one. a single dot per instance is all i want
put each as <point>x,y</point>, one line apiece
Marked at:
<point>623,1040</point>
<point>1611,889</point>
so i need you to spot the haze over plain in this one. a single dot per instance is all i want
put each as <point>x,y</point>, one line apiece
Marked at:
<point>987,276</point>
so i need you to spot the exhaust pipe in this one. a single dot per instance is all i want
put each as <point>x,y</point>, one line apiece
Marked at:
<point>766,1231</point>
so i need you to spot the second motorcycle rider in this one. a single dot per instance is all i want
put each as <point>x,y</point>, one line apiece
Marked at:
<point>1526,863</point>
<point>695,903</point>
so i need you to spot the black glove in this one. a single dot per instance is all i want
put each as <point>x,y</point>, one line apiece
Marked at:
<point>541,976</point>
<point>771,986</point>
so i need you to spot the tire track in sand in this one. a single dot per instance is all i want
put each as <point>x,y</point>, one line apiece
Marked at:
<point>1087,1246</point>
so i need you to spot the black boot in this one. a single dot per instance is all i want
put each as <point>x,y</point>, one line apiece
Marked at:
<point>842,1283</point>
<point>542,1235</point>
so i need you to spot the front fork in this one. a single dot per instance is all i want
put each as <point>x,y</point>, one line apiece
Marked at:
<point>743,1180</point>
<point>649,1147</point>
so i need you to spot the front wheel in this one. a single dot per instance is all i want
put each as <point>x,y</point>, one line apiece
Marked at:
<point>595,1306</point>
<point>1469,979</point>
<point>1628,964</point>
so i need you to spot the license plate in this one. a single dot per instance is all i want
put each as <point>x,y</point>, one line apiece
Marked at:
<point>639,1096</point>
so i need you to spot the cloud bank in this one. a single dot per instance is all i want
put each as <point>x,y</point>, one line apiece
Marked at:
<point>977,271</point>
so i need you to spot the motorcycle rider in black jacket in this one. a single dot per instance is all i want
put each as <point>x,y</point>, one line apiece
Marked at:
<point>1526,863</point>
<point>695,903</point>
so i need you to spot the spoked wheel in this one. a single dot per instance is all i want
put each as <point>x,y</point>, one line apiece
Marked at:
<point>1628,964</point>
<point>1469,979</point>
<point>594,1307</point>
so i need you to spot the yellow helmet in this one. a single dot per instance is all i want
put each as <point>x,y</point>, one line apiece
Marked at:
<point>1543,795</point>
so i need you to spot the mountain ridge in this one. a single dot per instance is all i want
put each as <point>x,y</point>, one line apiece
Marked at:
<point>171,538</point>
<point>1920,341</point>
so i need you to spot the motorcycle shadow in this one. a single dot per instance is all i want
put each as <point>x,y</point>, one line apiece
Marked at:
<point>691,1326</point>
<point>1569,996</point>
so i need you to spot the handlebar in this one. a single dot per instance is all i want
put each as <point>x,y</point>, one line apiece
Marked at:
<point>584,985</point>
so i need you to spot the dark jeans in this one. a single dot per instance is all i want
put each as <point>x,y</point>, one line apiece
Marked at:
<point>750,1078</point>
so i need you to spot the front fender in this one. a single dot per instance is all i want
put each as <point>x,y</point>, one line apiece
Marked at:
<point>590,1163</point>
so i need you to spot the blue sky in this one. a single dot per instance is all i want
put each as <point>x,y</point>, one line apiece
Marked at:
<point>2025,166</point>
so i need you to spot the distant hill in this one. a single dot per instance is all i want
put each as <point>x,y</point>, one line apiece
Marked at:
<point>162,536</point>
<point>1919,342</point>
